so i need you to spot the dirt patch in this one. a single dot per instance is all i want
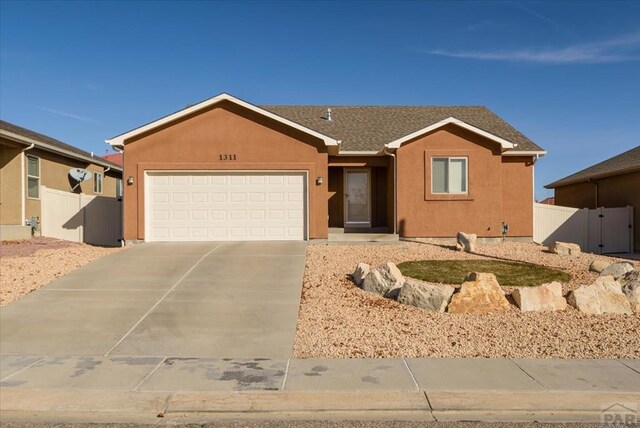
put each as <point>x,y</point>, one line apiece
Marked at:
<point>337,319</point>
<point>26,266</point>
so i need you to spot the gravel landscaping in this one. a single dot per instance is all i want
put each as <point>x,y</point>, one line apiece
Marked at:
<point>26,266</point>
<point>337,319</point>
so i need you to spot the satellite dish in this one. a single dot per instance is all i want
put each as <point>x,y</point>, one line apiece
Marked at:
<point>80,174</point>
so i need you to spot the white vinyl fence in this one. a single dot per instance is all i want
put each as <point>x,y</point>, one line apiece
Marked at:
<point>600,230</point>
<point>75,217</point>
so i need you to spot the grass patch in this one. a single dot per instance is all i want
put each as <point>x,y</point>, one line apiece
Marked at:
<point>507,273</point>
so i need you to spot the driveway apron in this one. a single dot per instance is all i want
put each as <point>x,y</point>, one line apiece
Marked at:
<point>216,300</point>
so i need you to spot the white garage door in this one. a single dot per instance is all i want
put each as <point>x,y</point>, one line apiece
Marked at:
<point>225,206</point>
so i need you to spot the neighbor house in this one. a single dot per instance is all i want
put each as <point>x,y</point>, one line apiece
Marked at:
<point>226,169</point>
<point>29,161</point>
<point>612,183</point>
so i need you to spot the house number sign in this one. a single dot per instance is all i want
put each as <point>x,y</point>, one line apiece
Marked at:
<point>228,157</point>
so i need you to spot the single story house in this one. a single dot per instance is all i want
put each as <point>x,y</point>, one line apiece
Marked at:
<point>28,161</point>
<point>614,182</point>
<point>226,169</point>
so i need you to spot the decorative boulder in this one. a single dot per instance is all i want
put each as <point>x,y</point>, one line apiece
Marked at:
<point>479,294</point>
<point>565,248</point>
<point>598,266</point>
<point>631,287</point>
<point>361,271</point>
<point>387,280</point>
<point>466,242</point>
<point>604,296</point>
<point>617,270</point>
<point>425,295</point>
<point>543,298</point>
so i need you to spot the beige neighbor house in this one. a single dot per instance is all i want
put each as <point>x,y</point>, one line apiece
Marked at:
<point>226,169</point>
<point>614,182</point>
<point>29,161</point>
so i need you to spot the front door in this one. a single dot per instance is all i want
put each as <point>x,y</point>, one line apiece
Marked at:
<point>357,198</point>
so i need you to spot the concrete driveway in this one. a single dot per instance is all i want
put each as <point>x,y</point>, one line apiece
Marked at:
<point>220,300</point>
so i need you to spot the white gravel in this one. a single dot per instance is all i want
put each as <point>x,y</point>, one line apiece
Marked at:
<point>23,270</point>
<point>337,319</point>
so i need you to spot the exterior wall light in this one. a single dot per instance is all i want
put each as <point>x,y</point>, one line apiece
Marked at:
<point>130,181</point>
<point>319,181</point>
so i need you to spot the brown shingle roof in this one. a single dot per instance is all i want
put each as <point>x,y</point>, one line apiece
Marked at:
<point>368,128</point>
<point>624,162</point>
<point>27,133</point>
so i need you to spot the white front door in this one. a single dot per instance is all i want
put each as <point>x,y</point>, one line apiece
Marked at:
<point>357,198</point>
<point>225,206</point>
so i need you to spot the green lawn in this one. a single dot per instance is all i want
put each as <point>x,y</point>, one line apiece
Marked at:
<point>507,273</point>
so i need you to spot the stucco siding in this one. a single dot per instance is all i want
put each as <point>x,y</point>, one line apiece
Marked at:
<point>10,205</point>
<point>422,213</point>
<point>197,142</point>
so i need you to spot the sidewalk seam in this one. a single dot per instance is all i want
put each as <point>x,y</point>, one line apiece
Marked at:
<point>628,366</point>
<point>22,369</point>
<point>415,382</point>
<point>144,379</point>
<point>166,404</point>
<point>286,373</point>
<point>164,296</point>
<point>430,406</point>
<point>529,375</point>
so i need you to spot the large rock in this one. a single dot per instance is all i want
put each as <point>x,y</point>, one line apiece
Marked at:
<point>361,271</point>
<point>543,298</point>
<point>598,266</point>
<point>565,248</point>
<point>479,294</point>
<point>630,283</point>
<point>617,270</point>
<point>386,280</point>
<point>425,295</point>
<point>604,296</point>
<point>466,242</point>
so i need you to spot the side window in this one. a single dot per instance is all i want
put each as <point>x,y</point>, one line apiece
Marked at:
<point>449,175</point>
<point>118,188</point>
<point>33,177</point>
<point>97,183</point>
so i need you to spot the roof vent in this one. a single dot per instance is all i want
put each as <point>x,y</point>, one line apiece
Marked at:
<point>329,114</point>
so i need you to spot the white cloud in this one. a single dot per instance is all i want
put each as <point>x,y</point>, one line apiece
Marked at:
<point>71,115</point>
<point>622,49</point>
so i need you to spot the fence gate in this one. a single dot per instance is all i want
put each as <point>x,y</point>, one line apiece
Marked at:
<point>600,230</point>
<point>75,217</point>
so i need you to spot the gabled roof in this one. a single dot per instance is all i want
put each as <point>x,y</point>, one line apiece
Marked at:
<point>27,136</point>
<point>116,158</point>
<point>120,139</point>
<point>370,128</point>
<point>624,162</point>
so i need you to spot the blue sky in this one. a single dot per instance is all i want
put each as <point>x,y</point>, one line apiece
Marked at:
<point>566,74</point>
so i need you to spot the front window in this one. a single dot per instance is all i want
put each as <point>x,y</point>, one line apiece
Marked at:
<point>97,183</point>
<point>33,177</point>
<point>449,175</point>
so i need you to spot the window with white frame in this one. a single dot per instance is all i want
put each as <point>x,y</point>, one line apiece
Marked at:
<point>118,188</point>
<point>97,183</point>
<point>33,177</point>
<point>449,175</point>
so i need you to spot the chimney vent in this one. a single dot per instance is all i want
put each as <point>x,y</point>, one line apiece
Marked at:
<point>329,114</point>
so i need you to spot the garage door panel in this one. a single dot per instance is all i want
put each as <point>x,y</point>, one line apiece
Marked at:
<point>226,206</point>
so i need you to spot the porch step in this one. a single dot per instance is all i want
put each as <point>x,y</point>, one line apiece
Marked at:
<point>363,237</point>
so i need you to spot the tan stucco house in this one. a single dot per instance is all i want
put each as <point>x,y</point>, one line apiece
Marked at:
<point>614,182</point>
<point>226,169</point>
<point>28,161</point>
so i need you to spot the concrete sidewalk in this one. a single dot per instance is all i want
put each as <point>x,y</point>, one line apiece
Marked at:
<point>128,388</point>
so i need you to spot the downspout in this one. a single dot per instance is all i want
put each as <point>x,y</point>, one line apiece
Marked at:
<point>23,195</point>
<point>395,189</point>
<point>533,181</point>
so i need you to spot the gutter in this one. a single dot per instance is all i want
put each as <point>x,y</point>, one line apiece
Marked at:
<point>23,194</point>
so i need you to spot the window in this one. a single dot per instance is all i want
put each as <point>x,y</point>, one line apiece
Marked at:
<point>449,175</point>
<point>33,177</point>
<point>97,183</point>
<point>118,188</point>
